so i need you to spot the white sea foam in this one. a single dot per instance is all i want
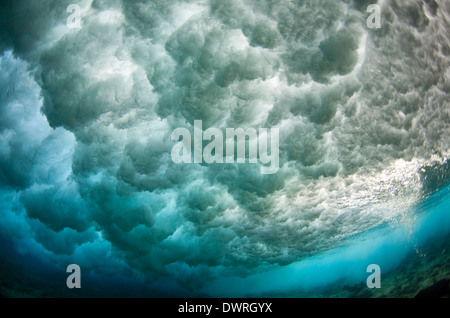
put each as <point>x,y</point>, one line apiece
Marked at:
<point>360,112</point>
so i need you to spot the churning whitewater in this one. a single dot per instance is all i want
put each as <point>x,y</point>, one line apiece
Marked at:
<point>87,113</point>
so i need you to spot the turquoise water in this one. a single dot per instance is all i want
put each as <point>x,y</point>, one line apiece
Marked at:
<point>411,257</point>
<point>87,175</point>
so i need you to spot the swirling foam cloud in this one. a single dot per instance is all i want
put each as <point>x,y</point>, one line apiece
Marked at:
<point>86,118</point>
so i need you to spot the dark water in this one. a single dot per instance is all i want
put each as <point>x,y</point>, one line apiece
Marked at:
<point>87,178</point>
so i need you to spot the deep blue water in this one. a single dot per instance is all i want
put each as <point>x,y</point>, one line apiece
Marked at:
<point>88,177</point>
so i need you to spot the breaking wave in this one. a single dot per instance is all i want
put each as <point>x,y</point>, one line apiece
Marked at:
<point>86,117</point>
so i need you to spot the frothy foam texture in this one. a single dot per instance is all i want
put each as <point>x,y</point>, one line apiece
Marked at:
<point>87,115</point>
